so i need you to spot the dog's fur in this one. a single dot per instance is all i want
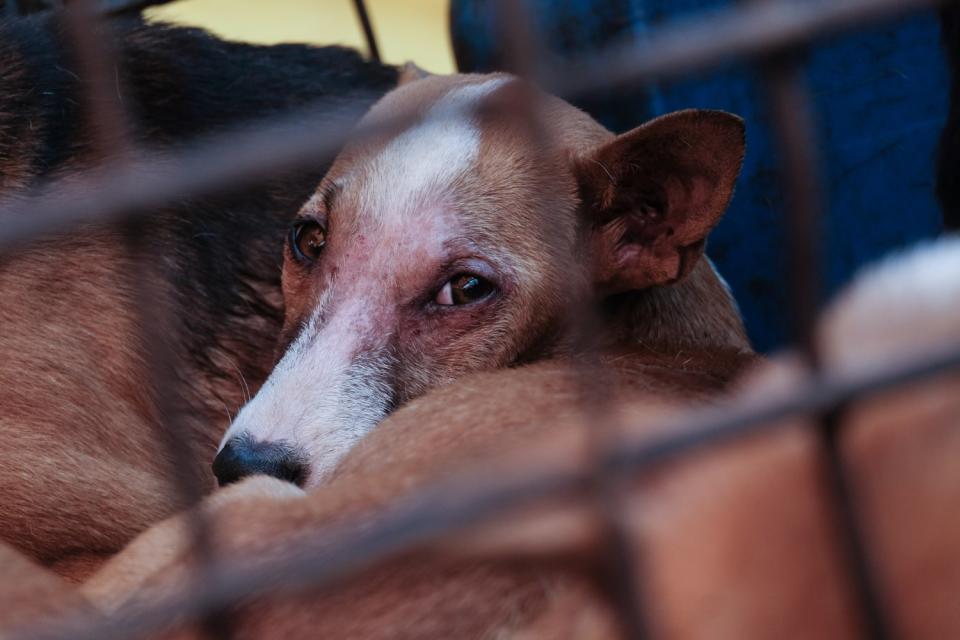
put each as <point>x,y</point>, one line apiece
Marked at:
<point>81,468</point>
<point>737,540</point>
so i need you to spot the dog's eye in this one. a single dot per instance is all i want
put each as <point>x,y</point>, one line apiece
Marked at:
<point>464,288</point>
<point>307,238</point>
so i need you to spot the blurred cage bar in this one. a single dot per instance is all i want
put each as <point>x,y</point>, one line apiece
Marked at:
<point>771,34</point>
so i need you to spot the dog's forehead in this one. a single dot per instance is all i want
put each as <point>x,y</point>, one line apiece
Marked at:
<point>400,177</point>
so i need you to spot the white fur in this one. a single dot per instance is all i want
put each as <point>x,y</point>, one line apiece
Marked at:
<point>323,395</point>
<point>424,159</point>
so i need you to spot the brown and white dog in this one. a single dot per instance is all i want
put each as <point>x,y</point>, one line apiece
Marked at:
<point>463,243</point>
<point>737,540</point>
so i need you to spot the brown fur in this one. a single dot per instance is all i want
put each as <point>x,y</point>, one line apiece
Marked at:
<point>73,403</point>
<point>736,540</point>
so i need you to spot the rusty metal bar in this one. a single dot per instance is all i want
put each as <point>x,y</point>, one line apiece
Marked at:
<point>100,82</point>
<point>709,40</point>
<point>331,554</point>
<point>617,559</point>
<point>152,180</point>
<point>796,134</point>
<point>102,7</point>
<point>112,143</point>
<point>368,33</point>
<point>853,539</point>
<point>118,7</point>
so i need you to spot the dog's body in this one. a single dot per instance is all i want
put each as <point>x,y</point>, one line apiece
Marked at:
<point>83,468</point>
<point>737,540</point>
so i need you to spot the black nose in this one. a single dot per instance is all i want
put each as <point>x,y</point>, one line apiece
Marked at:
<point>242,457</point>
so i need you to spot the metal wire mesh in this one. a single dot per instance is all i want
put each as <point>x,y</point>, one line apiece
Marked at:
<point>132,183</point>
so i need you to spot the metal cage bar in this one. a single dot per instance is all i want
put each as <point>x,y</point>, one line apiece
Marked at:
<point>373,48</point>
<point>131,184</point>
<point>112,145</point>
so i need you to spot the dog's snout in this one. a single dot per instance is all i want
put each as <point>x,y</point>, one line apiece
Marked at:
<point>241,457</point>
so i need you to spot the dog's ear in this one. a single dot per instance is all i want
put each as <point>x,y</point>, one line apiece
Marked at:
<point>410,72</point>
<point>652,195</point>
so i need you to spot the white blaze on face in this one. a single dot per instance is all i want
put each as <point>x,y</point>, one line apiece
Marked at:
<point>332,386</point>
<point>424,159</point>
<point>324,394</point>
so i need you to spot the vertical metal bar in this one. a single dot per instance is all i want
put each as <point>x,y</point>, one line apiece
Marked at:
<point>368,33</point>
<point>99,81</point>
<point>792,121</point>
<point>113,144</point>
<point>876,621</point>
<point>792,118</point>
<point>522,55</point>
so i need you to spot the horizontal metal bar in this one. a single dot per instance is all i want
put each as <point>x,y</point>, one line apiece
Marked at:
<point>816,395</point>
<point>330,554</point>
<point>102,7</point>
<point>152,180</point>
<point>117,7</point>
<point>709,40</point>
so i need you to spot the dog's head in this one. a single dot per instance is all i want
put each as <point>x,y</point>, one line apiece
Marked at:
<point>459,244</point>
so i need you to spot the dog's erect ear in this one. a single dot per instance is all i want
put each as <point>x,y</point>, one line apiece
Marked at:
<point>653,194</point>
<point>410,72</point>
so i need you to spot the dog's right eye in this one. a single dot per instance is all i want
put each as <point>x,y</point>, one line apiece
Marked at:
<point>307,239</point>
<point>464,289</point>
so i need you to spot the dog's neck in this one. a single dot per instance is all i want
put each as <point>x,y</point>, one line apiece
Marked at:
<point>695,315</point>
<point>698,312</point>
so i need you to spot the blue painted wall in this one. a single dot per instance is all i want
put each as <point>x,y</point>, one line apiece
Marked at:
<point>881,101</point>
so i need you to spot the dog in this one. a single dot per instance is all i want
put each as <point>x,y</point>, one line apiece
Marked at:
<point>735,540</point>
<point>463,243</point>
<point>83,468</point>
